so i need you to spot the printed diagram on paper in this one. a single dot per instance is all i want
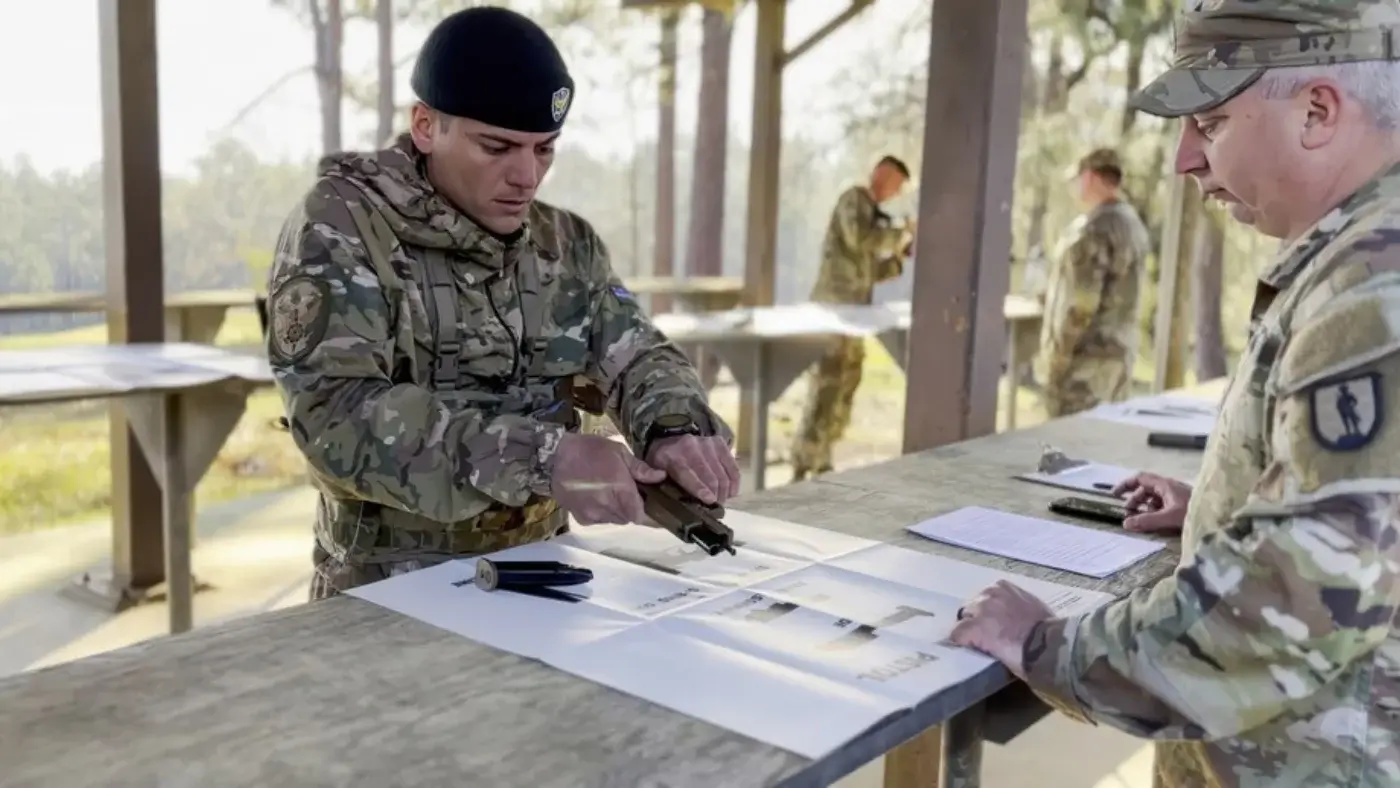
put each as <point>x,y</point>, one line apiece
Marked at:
<point>803,640</point>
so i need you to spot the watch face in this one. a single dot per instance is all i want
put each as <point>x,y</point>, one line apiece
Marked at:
<point>672,421</point>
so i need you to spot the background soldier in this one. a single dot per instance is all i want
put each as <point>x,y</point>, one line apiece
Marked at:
<point>1089,338</point>
<point>1270,657</point>
<point>428,321</point>
<point>863,247</point>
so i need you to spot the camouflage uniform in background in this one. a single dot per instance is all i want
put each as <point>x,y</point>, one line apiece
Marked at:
<point>1089,336</point>
<point>1271,658</point>
<point>861,249</point>
<point>428,367</point>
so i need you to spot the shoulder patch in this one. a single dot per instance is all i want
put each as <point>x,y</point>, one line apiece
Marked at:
<point>297,314</point>
<point>622,293</point>
<point>1346,413</point>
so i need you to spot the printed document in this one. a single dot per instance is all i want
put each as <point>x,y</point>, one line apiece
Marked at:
<point>804,639</point>
<point>1162,413</point>
<point>1091,477</point>
<point>1072,548</point>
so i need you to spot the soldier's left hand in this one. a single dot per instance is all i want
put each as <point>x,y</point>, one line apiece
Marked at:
<point>998,621</point>
<point>703,466</point>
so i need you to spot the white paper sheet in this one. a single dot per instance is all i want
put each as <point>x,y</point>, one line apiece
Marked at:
<point>1162,413</point>
<point>803,647</point>
<point>1072,548</point>
<point>1093,478</point>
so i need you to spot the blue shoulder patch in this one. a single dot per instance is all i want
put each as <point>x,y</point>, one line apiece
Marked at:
<point>1346,414</point>
<point>622,293</point>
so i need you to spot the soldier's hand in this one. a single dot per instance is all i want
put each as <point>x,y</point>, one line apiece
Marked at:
<point>704,467</point>
<point>595,480</point>
<point>1160,503</point>
<point>998,622</point>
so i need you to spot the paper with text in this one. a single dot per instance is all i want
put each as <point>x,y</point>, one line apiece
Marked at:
<point>805,639</point>
<point>1072,548</point>
<point>1093,477</point>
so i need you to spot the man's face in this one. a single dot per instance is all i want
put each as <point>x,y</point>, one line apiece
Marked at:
<point>489,173</point>
<point>1250,155</point>
<point>886,182</point>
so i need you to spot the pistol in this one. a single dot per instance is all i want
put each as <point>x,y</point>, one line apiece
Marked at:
<point>686,517</point>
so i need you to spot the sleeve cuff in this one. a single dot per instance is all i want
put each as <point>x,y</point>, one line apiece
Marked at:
<point>1047,659</point>
<point>693,407</point>
<point>545,442</point>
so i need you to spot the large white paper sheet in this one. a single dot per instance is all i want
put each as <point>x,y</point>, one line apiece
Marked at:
<point>1073,548</point>
<point>803,640</point>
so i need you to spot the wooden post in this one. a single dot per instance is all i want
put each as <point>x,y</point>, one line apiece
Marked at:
<point>135,278</point>
<point>961,269</point>
<point>664,247</point>
<point>765,154</point>
<point>1171,334</point>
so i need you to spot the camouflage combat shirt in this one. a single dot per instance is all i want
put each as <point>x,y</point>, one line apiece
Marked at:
<point>861,249</point>
<point>420,360</point>
<point>1091,303</point>
<point>1270,657</point>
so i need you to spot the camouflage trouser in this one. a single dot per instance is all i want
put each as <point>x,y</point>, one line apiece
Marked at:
<point>1086,383</point>
<point>831,391</point>
<point>332,578</point>
<point>490,532</point>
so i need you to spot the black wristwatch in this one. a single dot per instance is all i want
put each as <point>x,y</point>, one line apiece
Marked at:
<point>669,425</point>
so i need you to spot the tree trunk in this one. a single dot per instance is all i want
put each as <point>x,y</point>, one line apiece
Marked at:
<point>704,247</point>
<point>1207,282</point>
<point>328,27</point>
<point>385,24</point>
<point>664,246</point>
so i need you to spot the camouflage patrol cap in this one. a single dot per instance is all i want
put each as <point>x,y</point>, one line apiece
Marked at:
<point>1223,46</point>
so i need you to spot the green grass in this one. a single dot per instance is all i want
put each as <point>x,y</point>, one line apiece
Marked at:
<point>55,467</point>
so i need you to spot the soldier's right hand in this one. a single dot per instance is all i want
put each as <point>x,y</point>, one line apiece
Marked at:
<point>1159,503</point>
<point>595,480</point>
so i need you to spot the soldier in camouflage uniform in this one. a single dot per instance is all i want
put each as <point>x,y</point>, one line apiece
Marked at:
<point>432,329</point>
<point>1271,656</point>
<point>1088,339</point>
<point>863,247</point>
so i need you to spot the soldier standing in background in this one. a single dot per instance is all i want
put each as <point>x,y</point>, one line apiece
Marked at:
<point>1088,340</point>
<point>433,327</point>
<point>863,247</point>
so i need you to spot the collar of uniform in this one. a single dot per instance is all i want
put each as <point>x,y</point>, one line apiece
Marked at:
<point>1295,257</point>
<point>418,214</point>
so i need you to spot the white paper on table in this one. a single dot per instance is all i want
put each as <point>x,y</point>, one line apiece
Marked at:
<point>902,567</point>
<point>1162,413</point>
<point>445,597</point>
<point>843,650</point>
<point>754,697</point>
<point>1093,477</point>
<point>1072,548</point>
<point>660,551</point>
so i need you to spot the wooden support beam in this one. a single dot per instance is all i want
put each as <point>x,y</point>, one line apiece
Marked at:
<point>664,232</point>
<point>765,153</point>
<point>135,278</point>
<point>961,273</point>
<point>1170,333</point>
<point>825,30</point>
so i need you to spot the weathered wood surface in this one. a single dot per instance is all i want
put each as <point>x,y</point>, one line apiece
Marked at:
<point>345,693</point>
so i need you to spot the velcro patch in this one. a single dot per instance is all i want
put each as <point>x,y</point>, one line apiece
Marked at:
<point>1346,414</point>
<point>298,313</point>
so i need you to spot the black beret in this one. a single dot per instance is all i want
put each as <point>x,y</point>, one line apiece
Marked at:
<point>496,67</point>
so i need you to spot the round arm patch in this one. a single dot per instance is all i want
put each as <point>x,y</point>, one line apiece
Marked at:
<point>297,316</point>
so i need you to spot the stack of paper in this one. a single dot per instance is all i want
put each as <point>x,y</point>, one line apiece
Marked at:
<point>1072,548</point>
